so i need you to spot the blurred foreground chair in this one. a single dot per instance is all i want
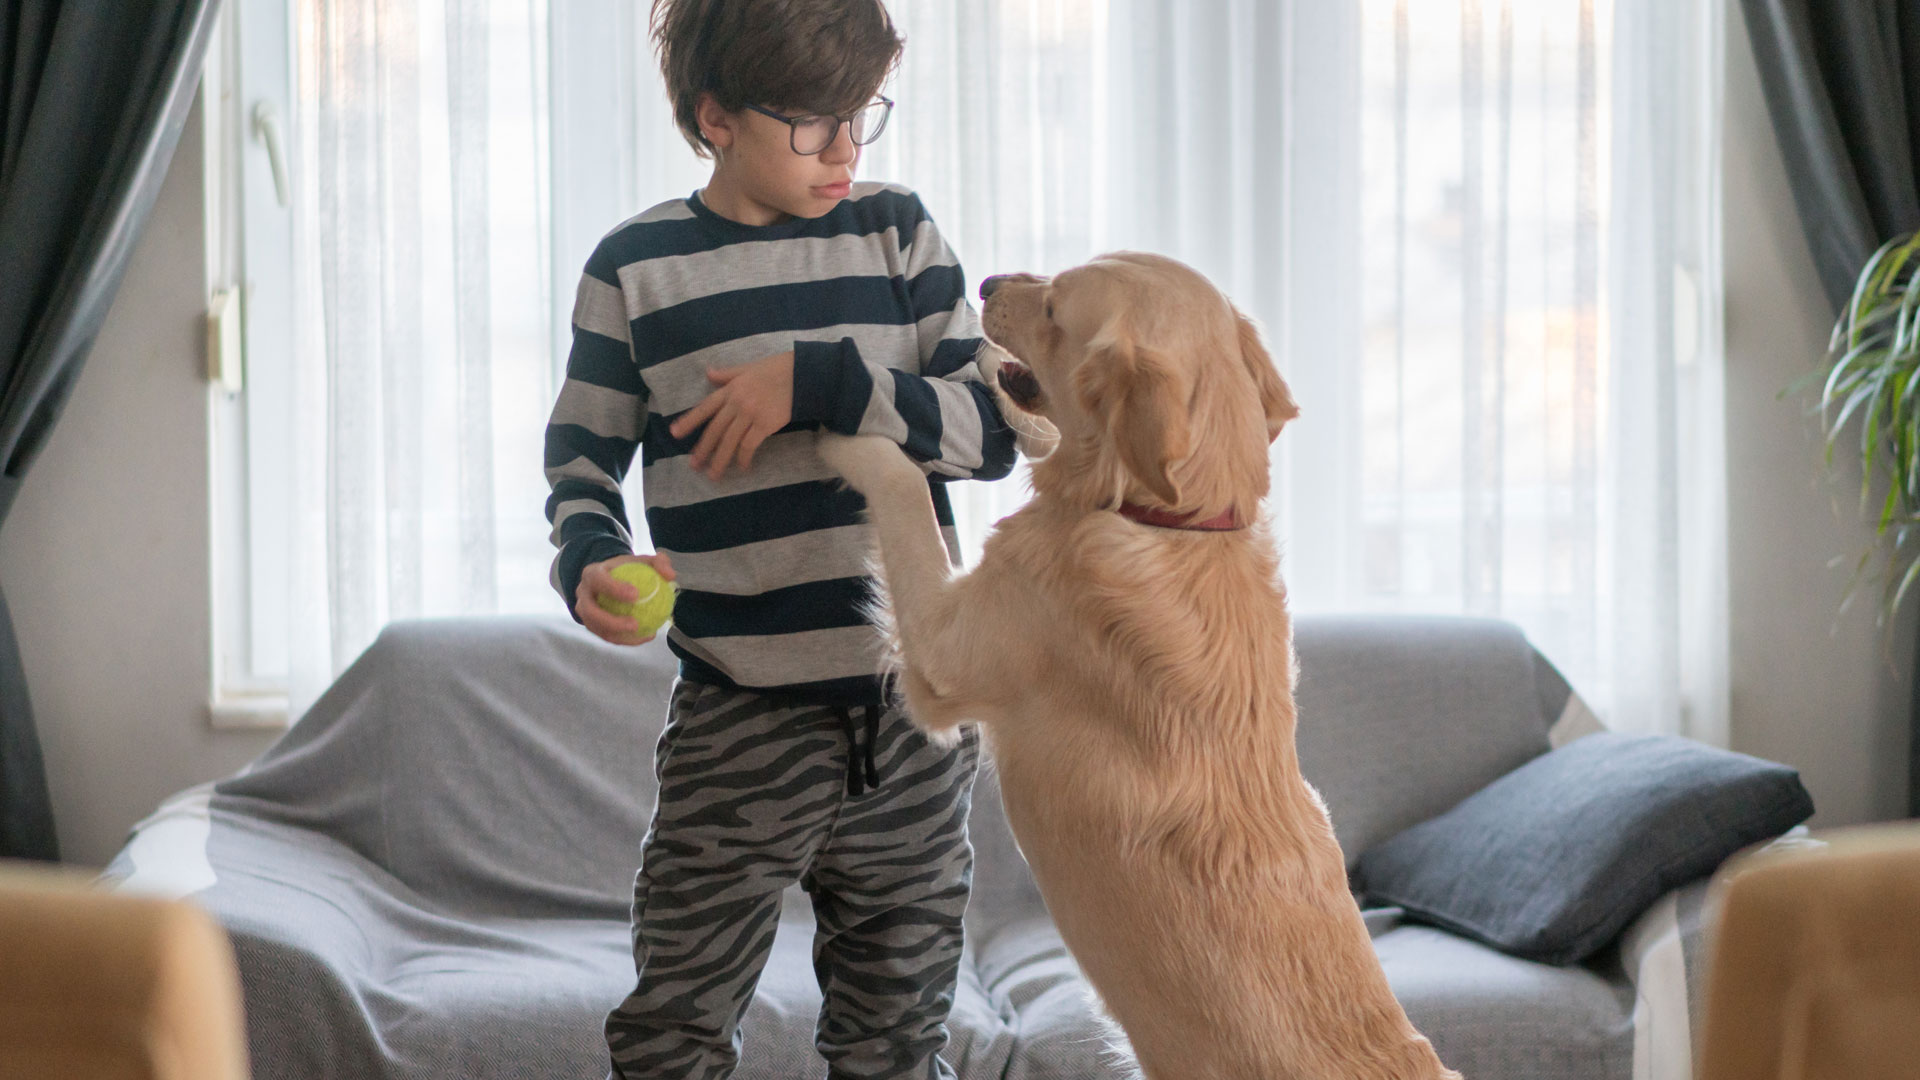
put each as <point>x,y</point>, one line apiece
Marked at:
<point>110,986</point>
<point>1815,963</point>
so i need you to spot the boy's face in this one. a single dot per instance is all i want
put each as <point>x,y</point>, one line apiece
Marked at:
<point>757,156</point>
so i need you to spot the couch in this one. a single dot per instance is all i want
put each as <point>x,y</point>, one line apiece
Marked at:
<point>429,875</point>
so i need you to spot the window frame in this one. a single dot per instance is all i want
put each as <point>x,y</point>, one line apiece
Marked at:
<point>246,95</point>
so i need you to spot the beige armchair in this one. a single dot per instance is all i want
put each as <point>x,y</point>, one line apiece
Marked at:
<point>1815,963</point>
<point>109,986</point>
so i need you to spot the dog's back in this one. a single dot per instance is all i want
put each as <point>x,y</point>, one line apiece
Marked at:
<point>1156,790</point>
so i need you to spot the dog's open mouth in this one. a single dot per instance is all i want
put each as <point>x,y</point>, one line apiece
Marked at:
<point>1017,380</point>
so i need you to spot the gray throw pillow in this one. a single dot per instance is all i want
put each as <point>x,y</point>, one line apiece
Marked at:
<point>1551,861</point>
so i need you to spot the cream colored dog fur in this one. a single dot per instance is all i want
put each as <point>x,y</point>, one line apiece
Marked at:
<point>1135,683</point>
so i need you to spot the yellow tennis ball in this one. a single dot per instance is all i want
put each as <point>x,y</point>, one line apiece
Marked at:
<point>655,605</point>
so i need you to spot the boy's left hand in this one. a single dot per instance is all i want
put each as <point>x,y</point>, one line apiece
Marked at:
<point>753,401</point>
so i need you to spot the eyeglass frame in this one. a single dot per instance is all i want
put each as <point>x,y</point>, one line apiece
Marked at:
<point>793,124</point>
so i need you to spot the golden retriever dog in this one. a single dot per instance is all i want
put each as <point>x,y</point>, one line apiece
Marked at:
<point>1124,645</point>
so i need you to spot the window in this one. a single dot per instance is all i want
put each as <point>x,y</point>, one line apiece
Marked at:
<point>1481,234</point>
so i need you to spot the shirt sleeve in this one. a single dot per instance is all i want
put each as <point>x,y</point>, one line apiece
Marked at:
<point>593,433</point>
<point>944,416</point>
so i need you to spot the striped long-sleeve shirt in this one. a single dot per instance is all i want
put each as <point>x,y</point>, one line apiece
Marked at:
<point>772,560</point>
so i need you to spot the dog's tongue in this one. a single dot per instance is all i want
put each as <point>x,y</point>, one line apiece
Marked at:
<point>1018,382</point>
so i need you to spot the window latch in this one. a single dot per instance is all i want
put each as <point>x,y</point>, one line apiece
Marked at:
<point>266,128</point>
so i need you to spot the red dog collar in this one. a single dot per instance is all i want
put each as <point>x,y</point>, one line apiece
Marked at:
<point>1167,519</point>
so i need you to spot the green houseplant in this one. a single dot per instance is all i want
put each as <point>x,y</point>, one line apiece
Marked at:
<point>1872,371</point>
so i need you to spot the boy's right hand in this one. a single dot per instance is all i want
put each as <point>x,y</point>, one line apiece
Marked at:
<point>596,581</point>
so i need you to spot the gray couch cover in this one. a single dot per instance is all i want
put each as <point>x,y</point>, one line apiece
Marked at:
<point>429,875</point>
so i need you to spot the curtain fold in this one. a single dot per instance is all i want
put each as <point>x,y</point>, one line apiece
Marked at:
<point>1842,82</point>
<point>95,96</point>
<point>424,316</point>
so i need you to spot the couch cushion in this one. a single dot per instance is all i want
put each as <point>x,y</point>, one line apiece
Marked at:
<point>1552,860</point>
<point>1489,1015</point>
<point>1497,1017</point>
<point>1401,717</point>
<point>1027,974</point>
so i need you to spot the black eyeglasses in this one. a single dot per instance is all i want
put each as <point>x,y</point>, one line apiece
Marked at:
<point>814,132</point>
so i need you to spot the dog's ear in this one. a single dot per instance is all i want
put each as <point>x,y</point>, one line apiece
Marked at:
<point>1275,399</point>
<point>1133,392</point>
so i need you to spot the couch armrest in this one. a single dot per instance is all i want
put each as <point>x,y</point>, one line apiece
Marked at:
<point>1664,954</point>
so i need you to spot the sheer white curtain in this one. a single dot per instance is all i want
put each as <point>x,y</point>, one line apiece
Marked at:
<point>421,176</point>
<point>1482,235</point>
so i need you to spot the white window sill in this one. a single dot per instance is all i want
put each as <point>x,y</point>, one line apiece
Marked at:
<point>249,712</point>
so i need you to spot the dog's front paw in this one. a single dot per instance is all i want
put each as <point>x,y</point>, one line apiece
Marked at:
<point>940,738</point>
<point>867,462</point>
<point>930,710</point>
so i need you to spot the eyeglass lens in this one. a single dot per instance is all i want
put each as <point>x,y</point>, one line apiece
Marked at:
<point>812,135</point>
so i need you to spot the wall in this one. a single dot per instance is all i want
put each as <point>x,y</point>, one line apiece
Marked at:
<point>1817,689</point>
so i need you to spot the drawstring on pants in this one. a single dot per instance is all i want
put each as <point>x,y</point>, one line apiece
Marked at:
<point>860,764</point>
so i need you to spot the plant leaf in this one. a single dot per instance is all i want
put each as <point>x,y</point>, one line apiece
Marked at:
<point>1906,582</point>
<point>1871,372</point>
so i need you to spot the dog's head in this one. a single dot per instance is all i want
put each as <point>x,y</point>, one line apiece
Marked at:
<point>1161,389</point>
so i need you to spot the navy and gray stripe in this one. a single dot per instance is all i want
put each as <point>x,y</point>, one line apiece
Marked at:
<point>772,561</point>
<point>754,797</point>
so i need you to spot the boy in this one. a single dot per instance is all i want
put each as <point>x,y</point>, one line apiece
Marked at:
<point>716,334</point>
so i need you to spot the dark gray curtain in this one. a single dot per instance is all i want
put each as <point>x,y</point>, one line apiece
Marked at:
<point>93,94</point>
<point>1842,79</point>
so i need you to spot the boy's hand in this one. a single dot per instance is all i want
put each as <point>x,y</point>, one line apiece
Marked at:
<point>595,581</point>
<point>753,401</point>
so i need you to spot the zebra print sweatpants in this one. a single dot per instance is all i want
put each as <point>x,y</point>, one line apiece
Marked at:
<point>755,795</point>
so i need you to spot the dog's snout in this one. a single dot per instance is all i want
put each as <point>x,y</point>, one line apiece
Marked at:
<point>992,284</point>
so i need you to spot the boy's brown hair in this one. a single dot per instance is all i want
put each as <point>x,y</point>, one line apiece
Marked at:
<point>813,56</point>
